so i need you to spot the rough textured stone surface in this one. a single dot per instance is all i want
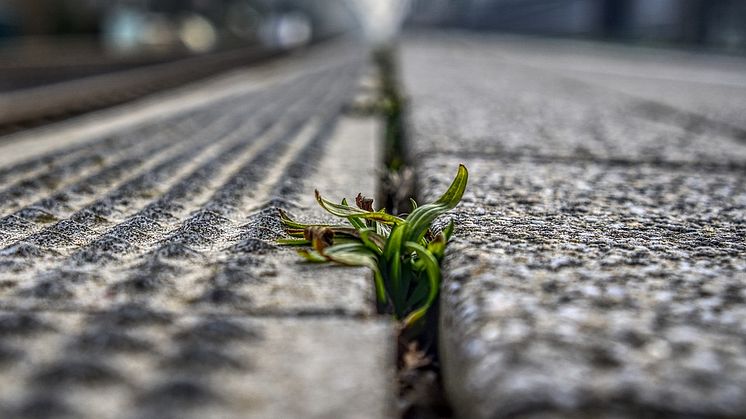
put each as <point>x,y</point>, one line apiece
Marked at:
<point>139,275</point>
<point>590,276</point>
<point>133,362</point>
<point>676,83</point>
<point>494,104</point>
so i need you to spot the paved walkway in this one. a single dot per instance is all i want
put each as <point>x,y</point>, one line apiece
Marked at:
<point>138,274</point>
<point>599,267</point>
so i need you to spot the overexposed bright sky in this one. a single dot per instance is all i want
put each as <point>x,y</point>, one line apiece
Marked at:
<point>380,19</point>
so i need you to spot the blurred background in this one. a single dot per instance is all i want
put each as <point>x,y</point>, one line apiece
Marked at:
<point>60,58</point>
<point>177,26</point>
<point>45,42</point>
<point>54,40</point>
<point>719,24</point>
<point>136,26</point>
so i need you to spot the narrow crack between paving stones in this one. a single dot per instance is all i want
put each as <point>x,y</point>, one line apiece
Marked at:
<point>420,389</point>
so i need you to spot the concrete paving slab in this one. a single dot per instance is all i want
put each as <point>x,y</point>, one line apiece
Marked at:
<point>135,362</point>
<point>203,211</point>
<point>466,97</point>
<point>696,83</point>
<point>586,288</point>
<point>591,275</point>
<point>139,275</point>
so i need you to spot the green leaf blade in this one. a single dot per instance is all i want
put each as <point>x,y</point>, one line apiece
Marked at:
<point>403,254</point>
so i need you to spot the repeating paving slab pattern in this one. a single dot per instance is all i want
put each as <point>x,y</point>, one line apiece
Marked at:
<point>508,107</point>
<point>138,271</point>
<point>599,265</point>
<point>133,362</point>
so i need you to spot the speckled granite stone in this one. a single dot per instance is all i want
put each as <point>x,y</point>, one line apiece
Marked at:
<point>139,275</point>
<point>590,276</point>
<point>135,362</point>
<point>575,287</point>
<point>470,94</point>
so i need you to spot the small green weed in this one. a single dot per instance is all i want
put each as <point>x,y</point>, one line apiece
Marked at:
<point>402,251</point>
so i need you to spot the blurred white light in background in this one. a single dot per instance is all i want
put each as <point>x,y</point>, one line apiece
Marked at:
<point>288,30</point>
<point>122,28</point>
<point>197,33</point>
<point>293,29</point>
<point>380,19</point>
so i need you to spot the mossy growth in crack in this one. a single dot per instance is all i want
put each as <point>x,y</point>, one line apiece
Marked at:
<point>397,182</point>
<point>392,108</point>
<point>403,251</point>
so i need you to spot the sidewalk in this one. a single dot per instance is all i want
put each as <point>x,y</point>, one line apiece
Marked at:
<point>138,272</point>
<point>599,265</point>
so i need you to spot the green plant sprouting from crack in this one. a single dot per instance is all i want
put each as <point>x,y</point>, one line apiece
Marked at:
<point>402,251</point>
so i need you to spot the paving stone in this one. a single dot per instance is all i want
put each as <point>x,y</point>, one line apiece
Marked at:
<point>607,283</point>
<point>139,275</point>
<point>203,211</point>
<point>690,84</point>
<point>578,286</point>
<point>495,105</point>
<point>111,365</point>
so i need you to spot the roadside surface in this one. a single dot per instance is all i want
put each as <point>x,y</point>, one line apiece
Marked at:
<point>599,265</point>
<point>138,272</point>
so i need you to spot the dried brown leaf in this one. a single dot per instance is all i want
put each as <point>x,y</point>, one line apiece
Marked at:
<point>363,202</point>
<point>320,237</point>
